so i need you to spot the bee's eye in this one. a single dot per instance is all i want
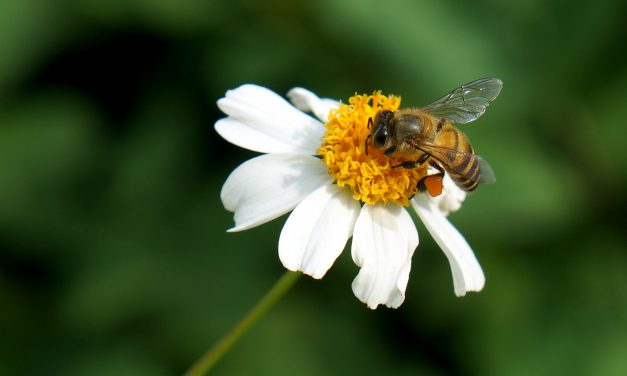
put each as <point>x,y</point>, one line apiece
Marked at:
<point>380,138</point>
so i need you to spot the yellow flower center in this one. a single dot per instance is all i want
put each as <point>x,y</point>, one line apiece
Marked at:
<point>372,177</point>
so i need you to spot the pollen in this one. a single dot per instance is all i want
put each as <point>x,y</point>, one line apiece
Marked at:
<point>372,177</point>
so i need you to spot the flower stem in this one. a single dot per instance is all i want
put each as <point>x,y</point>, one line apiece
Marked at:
<point>214,354</point>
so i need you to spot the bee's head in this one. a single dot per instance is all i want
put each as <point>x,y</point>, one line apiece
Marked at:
<point>380,128</point>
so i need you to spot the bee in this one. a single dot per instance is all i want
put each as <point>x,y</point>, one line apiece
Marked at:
<point>427,135</point>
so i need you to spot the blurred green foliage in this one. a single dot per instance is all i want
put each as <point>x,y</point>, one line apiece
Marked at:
<point>114,258</point>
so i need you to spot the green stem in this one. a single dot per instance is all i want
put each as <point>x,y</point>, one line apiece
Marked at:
<point>214,354</point>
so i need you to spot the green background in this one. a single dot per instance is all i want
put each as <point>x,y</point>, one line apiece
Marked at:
<point>114,258</point>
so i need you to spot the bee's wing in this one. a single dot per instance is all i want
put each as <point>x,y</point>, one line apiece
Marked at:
<point>467,102</point>
<point>486,174</point>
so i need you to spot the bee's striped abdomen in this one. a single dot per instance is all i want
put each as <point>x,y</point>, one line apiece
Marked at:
<point>463,164</point>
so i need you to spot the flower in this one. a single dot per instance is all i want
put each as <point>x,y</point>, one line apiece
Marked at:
<point>318,169</point>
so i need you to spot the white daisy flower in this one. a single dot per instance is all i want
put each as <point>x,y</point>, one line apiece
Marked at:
<point>318,169</point>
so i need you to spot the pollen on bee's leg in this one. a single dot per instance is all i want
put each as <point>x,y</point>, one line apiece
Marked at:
<point>368,172</point>
<point>431,184</point>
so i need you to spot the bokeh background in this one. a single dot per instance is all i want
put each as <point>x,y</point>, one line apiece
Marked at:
<point>114,258</point>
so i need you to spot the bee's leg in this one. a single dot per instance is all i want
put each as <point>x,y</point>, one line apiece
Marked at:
<point>389,150</point>
<point>422,187</point>
<point>412,164</point>
<point>434,191</point>
<point>408,165</point>
<point>437,167</point>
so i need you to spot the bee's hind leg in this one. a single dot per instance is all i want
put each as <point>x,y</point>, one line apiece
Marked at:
<point>437,167</point>
<point>432,183</point>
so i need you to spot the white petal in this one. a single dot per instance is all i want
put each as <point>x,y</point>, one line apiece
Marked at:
<point>467,273</point>
<point>242,135</point>
<point>452,196</point>
<point>317,230</point>
<point>269,186</point>
<point>310,102</point>
<point>268,114</point>
<point>383,242</point>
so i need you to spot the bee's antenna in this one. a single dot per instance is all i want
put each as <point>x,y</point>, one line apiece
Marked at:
<point>367,138</point>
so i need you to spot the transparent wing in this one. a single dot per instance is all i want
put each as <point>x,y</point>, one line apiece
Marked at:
<point>467,102</point>
<point>486,174</point>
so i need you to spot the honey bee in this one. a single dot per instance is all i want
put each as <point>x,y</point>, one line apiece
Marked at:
<point>427,135</point>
